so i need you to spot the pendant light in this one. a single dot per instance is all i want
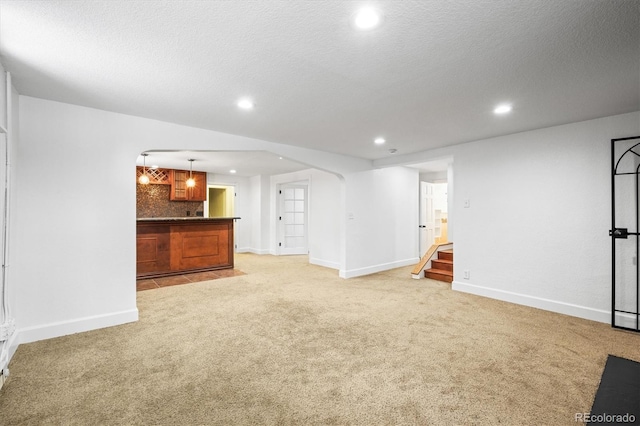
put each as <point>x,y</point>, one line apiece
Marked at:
<point>191,182</point>
<point>144,179</point>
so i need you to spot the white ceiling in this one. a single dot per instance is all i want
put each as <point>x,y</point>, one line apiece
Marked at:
<point>428,77</point>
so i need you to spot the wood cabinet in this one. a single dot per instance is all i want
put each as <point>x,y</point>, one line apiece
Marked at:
<point>198,192</point>
<point>152,248</point>
<point>180,191</point>
<point>175,246</point>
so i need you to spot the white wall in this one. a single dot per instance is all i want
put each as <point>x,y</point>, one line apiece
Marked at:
<point>382,220</point>
<point>74,229</point>
<point>536,231</point>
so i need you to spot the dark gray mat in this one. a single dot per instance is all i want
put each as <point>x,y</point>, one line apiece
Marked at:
<point>617,400</point>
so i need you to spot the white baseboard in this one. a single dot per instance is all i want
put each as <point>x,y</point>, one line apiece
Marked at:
<point>63,328</point>
<point>252,250</point>
<point>535,302</point>
<point>352,273</point>
<point>326,263</point>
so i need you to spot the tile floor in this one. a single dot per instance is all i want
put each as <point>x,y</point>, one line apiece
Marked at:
<point>151,283</point>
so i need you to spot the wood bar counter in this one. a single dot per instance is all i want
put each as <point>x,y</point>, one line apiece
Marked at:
<point>173,246</point>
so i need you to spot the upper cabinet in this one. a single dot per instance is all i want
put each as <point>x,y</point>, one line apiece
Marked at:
<point>180,191</point>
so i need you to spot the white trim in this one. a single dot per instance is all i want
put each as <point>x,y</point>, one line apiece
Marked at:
<point>63,328</point>
<point>252,250</point>
<point>326,263</point>
<point>352,273</point>
<point>592,314</point>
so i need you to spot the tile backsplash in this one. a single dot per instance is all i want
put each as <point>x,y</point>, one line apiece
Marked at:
<point>153,201</point>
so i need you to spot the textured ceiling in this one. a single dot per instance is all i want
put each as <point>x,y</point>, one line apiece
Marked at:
<point>428,77</point>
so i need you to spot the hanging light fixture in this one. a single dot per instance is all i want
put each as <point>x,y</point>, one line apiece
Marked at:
<point>144,179</point>
<point>191,182</point>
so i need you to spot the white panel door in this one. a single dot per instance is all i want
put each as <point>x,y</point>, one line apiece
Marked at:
<point>293,227</point>
<point>427,217</point>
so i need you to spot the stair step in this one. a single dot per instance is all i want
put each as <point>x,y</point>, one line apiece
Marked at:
<point>445,254</point>
<point>442,264</point>
<point>439,275</point>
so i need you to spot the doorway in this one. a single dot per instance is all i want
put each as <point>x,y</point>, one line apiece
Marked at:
<point>293,218</point>
<point>433,224</point>
<point>220,201</point>
<point>625,233</point>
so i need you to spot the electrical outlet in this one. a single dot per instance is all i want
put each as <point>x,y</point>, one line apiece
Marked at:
<point>466,274</point>
<point>467,203</point>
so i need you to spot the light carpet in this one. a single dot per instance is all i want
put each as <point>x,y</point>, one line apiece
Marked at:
<point>293,344</point>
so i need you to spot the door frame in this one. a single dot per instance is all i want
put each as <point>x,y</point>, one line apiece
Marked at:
<point>424,227</point>
<point>226,187</point>
<point>279,223</point>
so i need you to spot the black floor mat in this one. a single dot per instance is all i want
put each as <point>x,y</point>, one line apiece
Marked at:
<point>617,400</point>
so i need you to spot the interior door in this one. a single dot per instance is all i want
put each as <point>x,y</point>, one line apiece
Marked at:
<point>625,221</point>
<point>292,219</point>
<point>427,217</point>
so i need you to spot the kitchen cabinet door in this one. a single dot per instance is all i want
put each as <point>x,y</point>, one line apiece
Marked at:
<point>198,192</point>
<point>179,185</point>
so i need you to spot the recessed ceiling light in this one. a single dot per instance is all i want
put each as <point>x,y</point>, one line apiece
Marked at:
<point>245,103</point>
<point>232,171</point>
<point>503,109</point>
<point>366,18</point>
<point>379,141</point>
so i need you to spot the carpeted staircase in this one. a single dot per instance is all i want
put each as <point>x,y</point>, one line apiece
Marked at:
<point>442,267</point>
